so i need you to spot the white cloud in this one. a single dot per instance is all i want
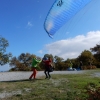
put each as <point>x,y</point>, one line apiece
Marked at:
<point>71,48</point>
<point>29,24</point>
<point>40,51</point>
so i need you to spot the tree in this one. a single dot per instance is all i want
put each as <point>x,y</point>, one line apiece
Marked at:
<point>4,58</point>
<point>73,61</point>
<point>23,62</point>
<point>96,49</point>
<point>26,59</point>
<point>86,57</point>
<point>58,59</point>
<point>15,64</point>
<point>96,53</point>
<point>58,63</point>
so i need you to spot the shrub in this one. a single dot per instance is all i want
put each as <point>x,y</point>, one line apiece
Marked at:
<point>93,91</point>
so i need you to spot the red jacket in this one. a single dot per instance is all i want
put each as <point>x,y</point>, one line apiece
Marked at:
<point>47,62</point>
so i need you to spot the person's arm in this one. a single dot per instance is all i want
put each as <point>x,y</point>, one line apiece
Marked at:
<point>38,60</point>
<point>50,62</point>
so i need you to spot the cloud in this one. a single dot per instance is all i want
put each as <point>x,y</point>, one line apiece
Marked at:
<point>40,51</point>
<point>72,47</point>
<point>29,24</point>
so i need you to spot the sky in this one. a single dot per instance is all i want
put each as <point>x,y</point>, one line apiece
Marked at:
<point>22,24</point>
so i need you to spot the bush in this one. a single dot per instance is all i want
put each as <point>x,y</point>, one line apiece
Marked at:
<point>88,67</point>
<point>93,91</point>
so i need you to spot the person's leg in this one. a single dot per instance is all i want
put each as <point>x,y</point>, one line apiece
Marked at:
<point>32,74</point>
<point>35,72</point>
<point>80,67</point>
<point>46,73</point>
<point>49,75</point>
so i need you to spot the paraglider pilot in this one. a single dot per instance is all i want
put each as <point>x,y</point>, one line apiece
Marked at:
<point>48,67</point>
<point>35,62</point>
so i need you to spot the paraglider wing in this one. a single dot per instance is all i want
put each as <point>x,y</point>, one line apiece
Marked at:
<point>61,12</point>
<point>50,35</point>
<point>59,3</point>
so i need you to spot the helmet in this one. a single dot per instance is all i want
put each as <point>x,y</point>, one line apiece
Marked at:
<point>45,58</point>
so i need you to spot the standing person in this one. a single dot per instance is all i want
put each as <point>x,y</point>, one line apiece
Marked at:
<point>81,64</point>
<point>71,65</point>
<point>47,63</point>
<point>35,62</point>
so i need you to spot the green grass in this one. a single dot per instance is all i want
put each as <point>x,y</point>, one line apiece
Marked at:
<point>60,87</point>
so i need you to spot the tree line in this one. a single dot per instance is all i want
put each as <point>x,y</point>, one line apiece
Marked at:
<point>23,61</point>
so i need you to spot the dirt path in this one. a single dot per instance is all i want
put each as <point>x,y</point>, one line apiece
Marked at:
<point>9,76</point>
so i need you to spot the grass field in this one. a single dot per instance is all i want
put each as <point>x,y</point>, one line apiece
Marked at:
<point>60,87</point>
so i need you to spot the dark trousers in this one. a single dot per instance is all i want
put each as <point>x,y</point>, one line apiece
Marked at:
<point>47,72</point>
